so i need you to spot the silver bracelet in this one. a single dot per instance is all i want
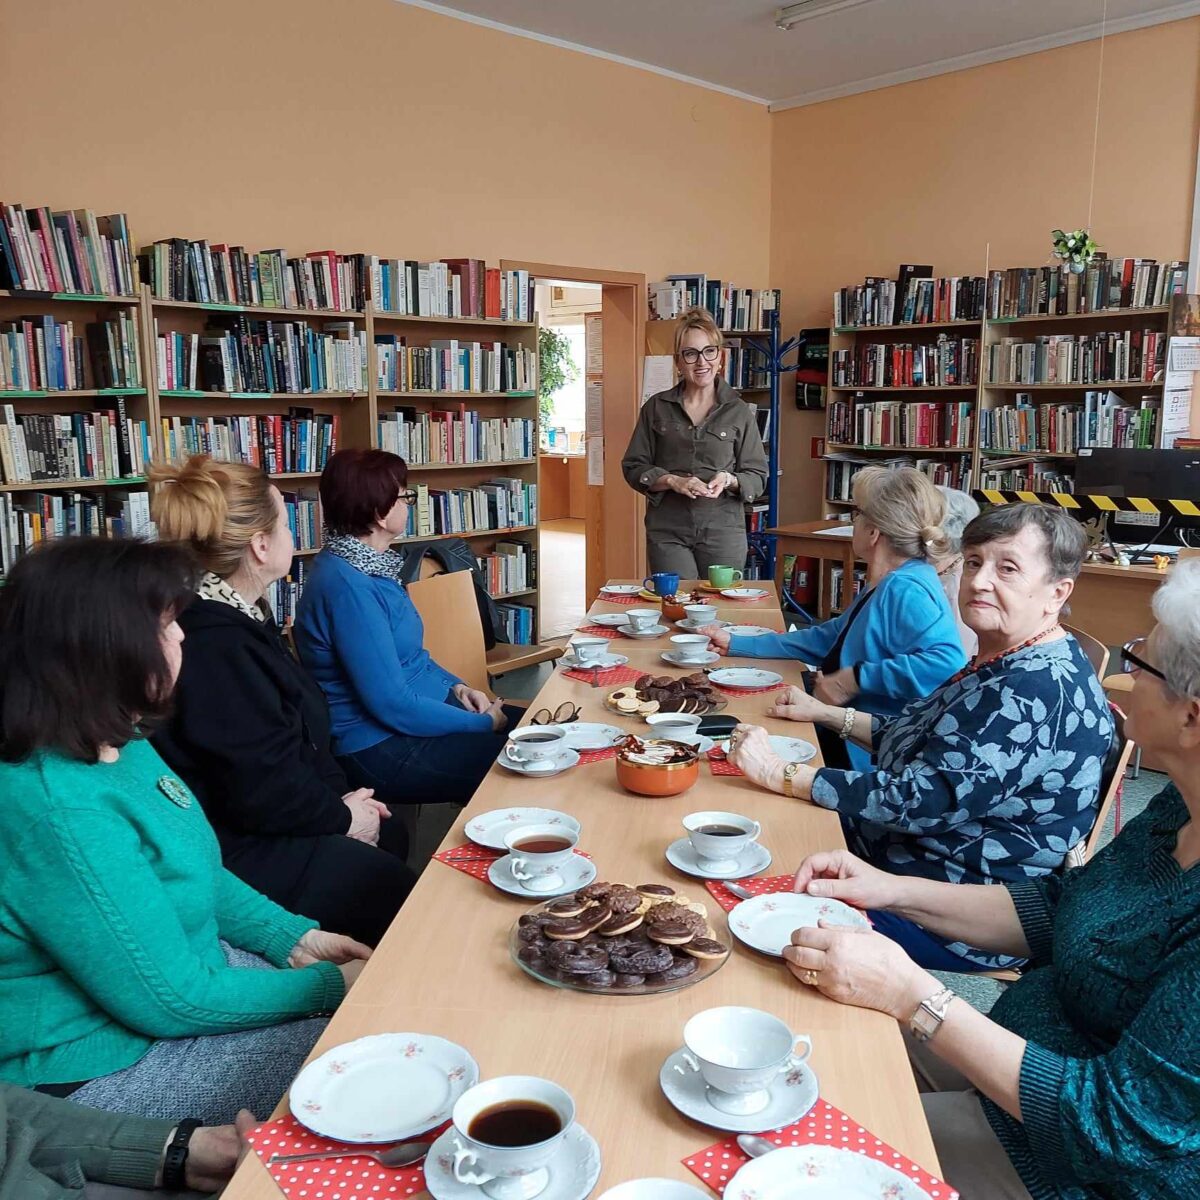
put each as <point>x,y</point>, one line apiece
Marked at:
<point>848,723</point>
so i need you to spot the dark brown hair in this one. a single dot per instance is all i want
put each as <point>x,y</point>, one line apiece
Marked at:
<point>81,659</point>
<point>1064,542</point>
<point>358,486</point>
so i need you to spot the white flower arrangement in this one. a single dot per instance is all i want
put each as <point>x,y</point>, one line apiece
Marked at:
<point>1077,247</point>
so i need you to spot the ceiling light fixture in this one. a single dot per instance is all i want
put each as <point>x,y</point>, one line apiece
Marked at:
<point>793,14</point>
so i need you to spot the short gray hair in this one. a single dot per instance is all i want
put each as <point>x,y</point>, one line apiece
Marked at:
<point>961,510</point>
<point>1063,538</point>
<point>1176,607</point>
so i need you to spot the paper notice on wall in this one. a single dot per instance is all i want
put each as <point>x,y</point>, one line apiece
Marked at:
<point>658,374</point>
<point>593,408</point>
<point>593,339</point>
<point>1178,390</point>
<point>1185,354</point>
<point>595,460</point>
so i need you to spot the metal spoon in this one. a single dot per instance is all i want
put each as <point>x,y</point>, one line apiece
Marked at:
<point>743,894</point>
<point>754,1145</point>
<point>402,1155</point>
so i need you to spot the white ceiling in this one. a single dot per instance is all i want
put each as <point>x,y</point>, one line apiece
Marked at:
<point>733,45</point>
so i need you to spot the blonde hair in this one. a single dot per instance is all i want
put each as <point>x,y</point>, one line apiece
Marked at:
<point>906,508</point>
<point>215,507</point>
<point>697,318</point>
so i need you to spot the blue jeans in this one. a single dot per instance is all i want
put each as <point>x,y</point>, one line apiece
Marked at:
<point>927,949</point>
<point>404,769</point>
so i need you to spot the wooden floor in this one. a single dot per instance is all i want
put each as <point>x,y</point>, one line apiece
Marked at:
<point>561,559</point>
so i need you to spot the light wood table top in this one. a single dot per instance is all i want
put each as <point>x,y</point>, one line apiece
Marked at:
<point>444,965</point>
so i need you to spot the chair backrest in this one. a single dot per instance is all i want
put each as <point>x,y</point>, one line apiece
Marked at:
<point>453,632</point>
<point>1111,779</point>
<point>1096,651</point>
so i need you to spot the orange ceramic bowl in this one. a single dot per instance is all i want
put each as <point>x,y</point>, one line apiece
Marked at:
<point>659,779</point>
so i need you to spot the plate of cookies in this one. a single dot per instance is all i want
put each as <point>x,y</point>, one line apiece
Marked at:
<point>666,693</point>
<point>615,939</point>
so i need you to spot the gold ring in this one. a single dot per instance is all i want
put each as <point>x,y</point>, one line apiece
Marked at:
<point>810,977</point>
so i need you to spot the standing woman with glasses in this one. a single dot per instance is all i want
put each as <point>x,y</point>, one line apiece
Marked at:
<point>697,456</point>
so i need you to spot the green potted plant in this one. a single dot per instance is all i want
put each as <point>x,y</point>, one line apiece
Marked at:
<point>1076,248</point>
<point>556,368</point>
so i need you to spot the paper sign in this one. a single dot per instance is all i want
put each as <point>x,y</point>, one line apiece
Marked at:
<point>658,374</point>
<point>595,461</point>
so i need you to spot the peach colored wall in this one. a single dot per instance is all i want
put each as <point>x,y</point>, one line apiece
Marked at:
<point>930,172</point>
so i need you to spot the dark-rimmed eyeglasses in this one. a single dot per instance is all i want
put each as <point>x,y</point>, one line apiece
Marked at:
<point>562,715</point>
<point>409,496</point>
<point>855,513</point>
<point>1132,661</point>
<point>691,355</point>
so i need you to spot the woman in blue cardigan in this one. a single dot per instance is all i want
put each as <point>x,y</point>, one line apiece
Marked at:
<point>401,724</point>
<point>898,640</point>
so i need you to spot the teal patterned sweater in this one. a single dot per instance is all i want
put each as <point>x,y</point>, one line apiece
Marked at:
<point>1110,1080</point>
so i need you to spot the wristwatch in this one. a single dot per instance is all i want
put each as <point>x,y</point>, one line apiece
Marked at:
<point>175,1156</point>
<point>789,773</point>
<point>928,1016</point>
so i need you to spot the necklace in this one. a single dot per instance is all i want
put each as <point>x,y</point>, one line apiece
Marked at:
<point>978,666</point>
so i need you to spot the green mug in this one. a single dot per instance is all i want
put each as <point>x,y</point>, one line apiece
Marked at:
<point>723,577</point>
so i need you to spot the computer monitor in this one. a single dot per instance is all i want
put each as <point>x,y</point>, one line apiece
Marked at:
<point>1152,474</point>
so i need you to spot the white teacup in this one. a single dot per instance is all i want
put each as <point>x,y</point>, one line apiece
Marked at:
<point>691,647</point>
<point>589,650</point>
<point>507,1172</point>
<point>700,614</point>
<point>642,618</point>
<point>720,851</point>
<point>739,1051</point>
<point>536,743</point>
<point>679,727</point>
<point>539,870</point>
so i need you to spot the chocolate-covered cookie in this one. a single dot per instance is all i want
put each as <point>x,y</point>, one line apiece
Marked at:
<point>600,979</point>
<point>670,933</point>
<point>643,961</point>
<point>620,923</point>
<point>655,891</point>
<point>595,891</point>
<point>623,899</point>
<point>566,906</point>
<point>680,968</point>
<point>624,980</point>
<point>577,958</point>
<point>704,948</point>
<point>670,913</point>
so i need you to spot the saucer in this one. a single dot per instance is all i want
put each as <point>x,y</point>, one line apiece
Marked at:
<point>744,593</point>
<point>573,1171</point>
<point>603,662</point>
<point>576,872</point>
<point>611,620</point>
<point>651,631</point>
<point>545,769</point>
<point>622,589</point>
<point>754,859</point>
<point>592,735</point>
<point>744,677</point>
<point>748,630</point>
<point>797,1172</point>
<point>672,656</point>
<point>687,626</point>
<point>792,749</point>
<point>765,923</point>
<point>793,1092</point>
<point>653,1189</point>
<point>488,829</point>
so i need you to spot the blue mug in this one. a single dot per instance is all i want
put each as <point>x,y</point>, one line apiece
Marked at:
<point>662,584</point>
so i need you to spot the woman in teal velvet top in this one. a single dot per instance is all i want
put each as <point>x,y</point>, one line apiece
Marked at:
<point>1084,1081</point>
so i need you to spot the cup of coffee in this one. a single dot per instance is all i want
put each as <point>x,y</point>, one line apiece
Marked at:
<point>589,651</point>
<point>719,838</point>
<point>642,618</point>
<point>723,577</point>
<point>662,583</point>
<point>676,727</point>
<point>700,614</point>
<point>505,1132</point>
<point>536,743</point>
<point>739,1051</point>
<point>691,647</point>
<point>537,854</point>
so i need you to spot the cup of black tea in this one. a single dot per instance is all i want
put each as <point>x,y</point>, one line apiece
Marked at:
<point>719,838</point>
<point>505,1132</point>
<point>536,854</point>
<point>536,743</point>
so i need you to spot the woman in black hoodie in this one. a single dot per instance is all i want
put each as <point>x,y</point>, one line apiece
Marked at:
<point>250,731</point>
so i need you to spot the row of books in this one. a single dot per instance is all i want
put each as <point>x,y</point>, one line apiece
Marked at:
<point>901,424</point>
<point>304,520</point>
<point>451,287</point>
<point>915,298</point>
<point>503,503</point>
<point>1025,427</point>
<point>68,251</point>
<point>41,447</point>
<point>945,472</point>
<point>1105,283</point>
<point>1111,356</point>
<point>42,354</point>
<point>946,362</point>
<point>517,622</point>
<point>283,596</point>
<point>745,366</point>
<point>842,595</point>
<point>28,518</point>
<point>301,441</point>
<point>421,438</point>
<point>731,307</point>
<point>756,518</point>
<point>1026,477</point>
<point>450,365</point>
<point>265,356</point>
<point>509,567</point>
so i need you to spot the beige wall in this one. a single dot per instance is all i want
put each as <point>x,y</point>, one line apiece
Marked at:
<point>930,172</point>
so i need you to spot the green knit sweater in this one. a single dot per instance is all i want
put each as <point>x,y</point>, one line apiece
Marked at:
<point>112,900</point>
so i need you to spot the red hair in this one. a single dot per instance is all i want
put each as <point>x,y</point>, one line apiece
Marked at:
<point>360,486</point>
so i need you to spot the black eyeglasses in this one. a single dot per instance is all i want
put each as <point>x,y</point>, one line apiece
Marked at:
<point>692,355</point>
<point>1131,661</point>
<point>563,714</point>
<point>409,496</point>
<point>855,513</point>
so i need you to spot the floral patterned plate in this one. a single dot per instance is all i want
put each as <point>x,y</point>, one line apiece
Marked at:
<point>820,1173</point>
<point>765,923</point>
<point>382,1088</point>
<point>488,829</point>
<point>793,1093</point>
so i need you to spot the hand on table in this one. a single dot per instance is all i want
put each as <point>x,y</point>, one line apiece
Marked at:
<point>750,751</point>
<point>365,814</point>
<point>795,704</point>
<point>718,636</point>
<point>472,699</point>
<point>215,1150</point>
<point>837,688</point>
<point>840,875</point>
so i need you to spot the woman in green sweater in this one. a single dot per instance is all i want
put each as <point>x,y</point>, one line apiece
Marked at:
<point>1084,1081</point>
<point>136,974</point>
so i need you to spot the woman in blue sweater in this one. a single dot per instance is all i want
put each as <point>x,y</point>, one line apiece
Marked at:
<point>898,640</point>
<point>401,724</point>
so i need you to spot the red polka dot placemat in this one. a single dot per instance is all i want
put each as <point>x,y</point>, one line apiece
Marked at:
<point>594,756</point>
<point>719,764</point>
<point>760,886</point>
<point>823,1126</point>
<point>607,677</point>
<point>614,598</point>
<point>604,631</point>
<point>474,860</point>
<point>354,1178</point>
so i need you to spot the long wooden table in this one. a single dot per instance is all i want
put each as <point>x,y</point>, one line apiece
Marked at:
<point>444,965</point>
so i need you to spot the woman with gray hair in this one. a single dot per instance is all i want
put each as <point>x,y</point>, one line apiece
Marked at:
<point>1084,1080</point>
<point>961,510</point>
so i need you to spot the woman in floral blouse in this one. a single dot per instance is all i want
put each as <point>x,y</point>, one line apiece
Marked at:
<point>996,775</point>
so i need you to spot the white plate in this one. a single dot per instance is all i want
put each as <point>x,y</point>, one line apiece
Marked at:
<point>489,828</point>
<point>792,749</point>
<point>748,630</point>
<point>573,1170</point>
<point>744,677</point>
<point>653,1189</point>
<point>651,631</point>
<point>754,859</point>
<point>821,1172</point>
<point>382,1088</point>
<point>793,1093</point>
<point>591,735</point>
<point>622,589</point>
<point>745,593</point>
<point>612,620</point>
<point>672,656</point>
<point>576,872</point>
<point>546,769</point>
<point>687,625</point>
<point>570,662</point>
<point>765,923</point>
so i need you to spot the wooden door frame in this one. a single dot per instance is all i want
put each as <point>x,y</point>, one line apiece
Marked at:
<point>616,546</point>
